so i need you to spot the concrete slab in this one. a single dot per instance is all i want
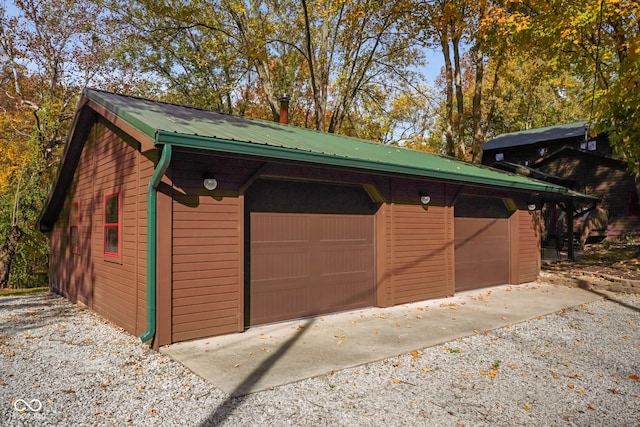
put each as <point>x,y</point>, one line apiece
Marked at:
<point>272,355</point>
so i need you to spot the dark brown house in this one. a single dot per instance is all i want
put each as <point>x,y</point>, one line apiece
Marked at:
<point>567,155</point>
<point>178,223</point>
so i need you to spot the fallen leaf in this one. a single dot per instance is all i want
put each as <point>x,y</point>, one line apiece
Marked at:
<point>624,337</point>
<point>493,374</point>
<point>580,392</point>
<point>418,317</point>
<point>591,407</point>
<point>503,318</point>
<point>397,381</point>
<point>614,391</point>
<point>571,386</point>
<point>426,369</point>
<point>633,377</point>
<point>526,407</point>
<point>414,354</point>
<point>140,387</point>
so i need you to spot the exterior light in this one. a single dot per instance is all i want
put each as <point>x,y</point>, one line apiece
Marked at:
<point>425,199</point>
<point>531,206</point>
<point>210,183</point>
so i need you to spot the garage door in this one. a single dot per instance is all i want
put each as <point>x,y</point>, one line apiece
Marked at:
<point>308,264</point>
<point>482,252</point>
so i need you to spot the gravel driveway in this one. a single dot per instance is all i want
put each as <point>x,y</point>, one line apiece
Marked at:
<point>577,367</point>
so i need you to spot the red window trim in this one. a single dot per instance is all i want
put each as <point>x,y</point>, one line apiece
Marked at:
<point>115,225</point>
<point>74,248</point>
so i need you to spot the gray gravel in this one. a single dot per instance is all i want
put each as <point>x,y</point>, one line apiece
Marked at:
<point>577,367</point>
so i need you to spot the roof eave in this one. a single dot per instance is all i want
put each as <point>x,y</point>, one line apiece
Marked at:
<point>283,153</point>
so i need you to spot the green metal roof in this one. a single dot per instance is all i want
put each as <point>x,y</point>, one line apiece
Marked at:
<point>196,128</point>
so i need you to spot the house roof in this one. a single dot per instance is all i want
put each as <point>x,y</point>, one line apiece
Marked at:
<point>533,136</point>
<point>571,150</point>
<point>189,127</point>
<point>533,173</point>
<point>196,128</point>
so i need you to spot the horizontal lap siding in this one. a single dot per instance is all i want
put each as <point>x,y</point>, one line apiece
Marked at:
<point>207,295</point>
<point>419,253</point>
<point>528,247</point>
<point>113,287</point>
<point>117,284</point>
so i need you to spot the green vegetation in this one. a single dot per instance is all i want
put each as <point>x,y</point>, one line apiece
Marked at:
<point>23,291</point>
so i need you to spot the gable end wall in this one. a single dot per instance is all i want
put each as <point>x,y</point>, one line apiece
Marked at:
<point>113,287</point>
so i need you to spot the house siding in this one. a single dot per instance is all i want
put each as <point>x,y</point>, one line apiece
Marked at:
<point>114,287</point>
<point>207,252</point>
<point>605,178</point>
<point>419,253</point>
<point>528,246</point>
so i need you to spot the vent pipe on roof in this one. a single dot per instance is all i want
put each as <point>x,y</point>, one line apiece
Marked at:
<point>284,109</point>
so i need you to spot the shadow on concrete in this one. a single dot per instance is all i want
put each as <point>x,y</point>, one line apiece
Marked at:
<point>239,395</point>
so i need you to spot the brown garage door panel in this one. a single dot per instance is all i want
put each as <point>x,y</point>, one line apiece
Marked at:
<point>482,252</point>
<point>324,263</point>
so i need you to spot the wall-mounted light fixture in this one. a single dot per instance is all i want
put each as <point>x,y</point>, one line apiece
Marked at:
<point>210,183</point>
<point>531,206</point>
<point>425,199</point>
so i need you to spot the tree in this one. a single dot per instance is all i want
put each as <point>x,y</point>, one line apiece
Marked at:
<point>241,55</point>
<point>453,25</point>
<point>598,42</point>
<point>48,51</point>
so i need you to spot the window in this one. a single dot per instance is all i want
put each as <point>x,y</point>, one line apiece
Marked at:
<point>74,227</point>
<point>499,157</point>
<point>591,145</point>
<point>112,225</point>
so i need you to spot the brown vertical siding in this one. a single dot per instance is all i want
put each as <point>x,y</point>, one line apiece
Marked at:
<point>207,267</point>
<point>528,250</point>
<point>420,252</point>
<point>113,287</point>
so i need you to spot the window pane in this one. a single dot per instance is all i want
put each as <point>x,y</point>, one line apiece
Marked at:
<point>73,237</point>
<point>73,215</point>
<point>111,210</point>
<point>111,240</point>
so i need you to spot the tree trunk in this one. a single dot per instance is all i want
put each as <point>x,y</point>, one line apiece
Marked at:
<point>450,146</point>
<point>7,254</point>
<point>478,133</point>
<point>458,127</point>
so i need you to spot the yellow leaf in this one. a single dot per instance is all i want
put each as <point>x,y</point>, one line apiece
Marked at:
<point>526,407</point>
<point>397,381</point>
<point>414,354</point>
<point>426,369</point>
<point>580,392</point>
<point>571,386</point>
